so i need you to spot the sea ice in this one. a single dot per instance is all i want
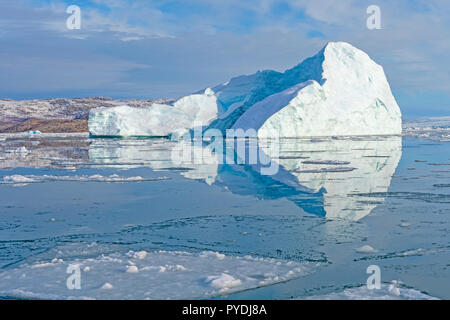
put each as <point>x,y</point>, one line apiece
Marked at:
<point>127,275</point>
<point>223,282</point>
<point>434,128</point>
<point>107,286</point>
<point>386,292</point>
<point>366,249</point>
<point>17,178</point>
<point>132,269</point>
<point>23,180</point>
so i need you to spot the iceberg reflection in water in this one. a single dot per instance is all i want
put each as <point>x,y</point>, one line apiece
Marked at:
<point>75,199</point>
<point>325,177</point>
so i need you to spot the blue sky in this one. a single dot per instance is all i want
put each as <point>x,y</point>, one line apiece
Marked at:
<point>156,48</point>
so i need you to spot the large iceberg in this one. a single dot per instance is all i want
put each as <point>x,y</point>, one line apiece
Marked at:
<point>350,97</point>
<point>339,91</point>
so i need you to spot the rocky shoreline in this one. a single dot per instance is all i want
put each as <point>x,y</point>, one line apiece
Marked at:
<point>58,115</point>
<point>45,126</point>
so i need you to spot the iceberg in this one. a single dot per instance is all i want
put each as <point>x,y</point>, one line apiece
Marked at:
<point>156,120</point>
<point>339,91</point>
<point>350,97</point>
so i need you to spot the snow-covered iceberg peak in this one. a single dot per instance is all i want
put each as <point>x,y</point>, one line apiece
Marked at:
<point>351,97</point>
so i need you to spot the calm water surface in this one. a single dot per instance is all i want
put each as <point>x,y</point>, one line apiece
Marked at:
<point>223,231</point>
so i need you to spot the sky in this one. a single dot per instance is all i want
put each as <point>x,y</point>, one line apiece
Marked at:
<point>167,49</point>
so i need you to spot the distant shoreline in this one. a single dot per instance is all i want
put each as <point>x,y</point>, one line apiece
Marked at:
<point>45,126</point>
<point>58,115</point>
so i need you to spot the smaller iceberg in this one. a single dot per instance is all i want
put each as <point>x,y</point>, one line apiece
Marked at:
<point>157,120</point>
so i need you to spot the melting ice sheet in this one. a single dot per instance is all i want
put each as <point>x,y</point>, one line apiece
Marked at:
<point>145,275</point>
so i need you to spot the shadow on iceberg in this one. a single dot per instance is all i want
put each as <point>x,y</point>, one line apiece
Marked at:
<point>324,177</point>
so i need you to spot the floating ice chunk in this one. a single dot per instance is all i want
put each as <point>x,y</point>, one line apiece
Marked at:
<point>17,178</point>
<point>415,252</point>
<point>394,289</point>
<point>140,255</point>
<point>106,286</point>
<point>132,269</point>
<point>223,281</point>
<point>405,224</point>
<point>217,255</point>
<point>220,256</point>
<point>47,264</point>
<point>365,249</point>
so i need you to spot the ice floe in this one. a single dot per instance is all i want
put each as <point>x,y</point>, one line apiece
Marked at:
<point>154,275</point>
<point>434,128</point>
<point>386,292</point>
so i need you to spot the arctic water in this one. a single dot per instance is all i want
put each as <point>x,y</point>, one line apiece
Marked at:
<point>139,226</point>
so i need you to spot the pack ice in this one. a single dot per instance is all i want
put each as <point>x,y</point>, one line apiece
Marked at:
<point>339,91</point>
